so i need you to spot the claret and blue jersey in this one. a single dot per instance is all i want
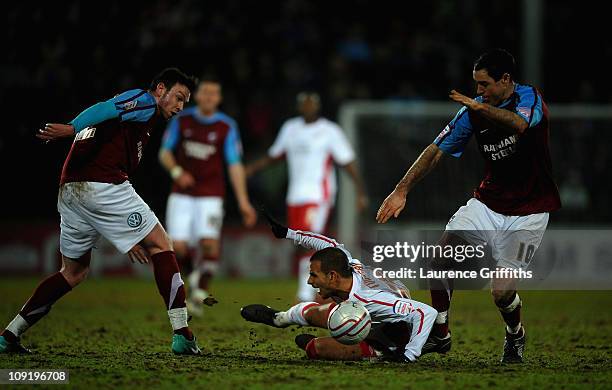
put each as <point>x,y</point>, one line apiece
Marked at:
<point>201,145</point>
<point>111,138</point>
<point>518,174</point>
<point>525,102</point>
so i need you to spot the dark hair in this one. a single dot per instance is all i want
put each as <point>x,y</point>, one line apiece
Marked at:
<point>333,259</point>
<point>171,76</point>
<point>496,62</point>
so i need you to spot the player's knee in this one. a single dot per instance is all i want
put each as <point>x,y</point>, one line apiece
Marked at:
<point>502,297</point>
<point>158,241</point>
<point>210,250</point>
<point>180,249</point>
<point>75,275</point>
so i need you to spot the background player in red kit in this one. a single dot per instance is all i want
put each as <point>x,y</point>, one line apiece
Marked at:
<point>510,208</point>
<point>196,144</point>
<point>96,199</point>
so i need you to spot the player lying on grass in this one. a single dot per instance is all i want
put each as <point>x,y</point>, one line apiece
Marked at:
<point>400,325</point>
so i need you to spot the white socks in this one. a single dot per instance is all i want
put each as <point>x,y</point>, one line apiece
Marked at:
<point>516,302</point>
<point>18,325</point>
<point>442,317</point>
<point>178,317</point>
<point>295,315</point>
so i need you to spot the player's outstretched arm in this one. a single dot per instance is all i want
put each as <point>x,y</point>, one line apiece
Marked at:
<point>260,164</point>
<point>395,202</point>
<point>306,240</point>
<point>93,115</point>
<point>508,120</point>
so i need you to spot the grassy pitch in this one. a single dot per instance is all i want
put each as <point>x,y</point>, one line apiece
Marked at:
<point>114,333</point>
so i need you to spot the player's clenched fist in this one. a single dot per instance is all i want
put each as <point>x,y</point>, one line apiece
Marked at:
<point>392,206</point>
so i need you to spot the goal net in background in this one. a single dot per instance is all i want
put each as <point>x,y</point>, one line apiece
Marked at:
<point>389,136</point>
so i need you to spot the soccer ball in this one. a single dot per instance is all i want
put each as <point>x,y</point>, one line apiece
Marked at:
<point>349,322</point>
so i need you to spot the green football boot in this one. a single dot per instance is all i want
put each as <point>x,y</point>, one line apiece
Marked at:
<point>182,346</point>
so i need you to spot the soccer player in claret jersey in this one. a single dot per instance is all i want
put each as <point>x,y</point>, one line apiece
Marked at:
<point>196,144</point>
<point>400,325</point>
<point>509,210</point>
<point>311,145</point>
<point>96,199</point>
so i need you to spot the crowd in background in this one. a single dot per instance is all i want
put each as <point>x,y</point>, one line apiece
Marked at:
<point>59,58</point>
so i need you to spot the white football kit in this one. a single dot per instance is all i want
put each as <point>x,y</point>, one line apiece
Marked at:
<point>311,149</point>
<point>384,300</point>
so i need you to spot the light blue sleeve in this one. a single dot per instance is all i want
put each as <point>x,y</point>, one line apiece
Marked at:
<point>136,105</point>
<point>232,147</point>
<point>529,106</point>
<point>453,139</point>
<point>171,135</point>
<point>93,115</point>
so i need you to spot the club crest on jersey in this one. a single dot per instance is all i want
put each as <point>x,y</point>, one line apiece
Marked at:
<point>402,308</point>
<point>134,219</point>
<point>128,105</point>
<point>212,136</point>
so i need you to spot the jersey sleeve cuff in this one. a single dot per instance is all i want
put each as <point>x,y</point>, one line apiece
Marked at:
<point>291,234</point>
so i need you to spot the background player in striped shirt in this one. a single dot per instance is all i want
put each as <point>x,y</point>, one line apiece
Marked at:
<point>400,325</point>
<point>96,199</point>
<point>311,144</point>
<point>509,210</point>
<point>195,147</point>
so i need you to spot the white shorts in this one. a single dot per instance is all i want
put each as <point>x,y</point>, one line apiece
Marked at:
<point>91,209</point>
<point>513,239</point>
<point>191,218</point>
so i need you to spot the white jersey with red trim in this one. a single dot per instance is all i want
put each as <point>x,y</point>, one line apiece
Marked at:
<point>385,300</point>
<point>311,150</point>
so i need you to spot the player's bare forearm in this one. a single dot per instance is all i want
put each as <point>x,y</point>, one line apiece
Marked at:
<point>238,179</point>
<point>258,165</point>
<point>362,197</point>
<point>351,169</point>
<point>183,178</point>
<point>507,119</point>
<point>166,159</point>
<point>420,168</point>
<point>393,205</point>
